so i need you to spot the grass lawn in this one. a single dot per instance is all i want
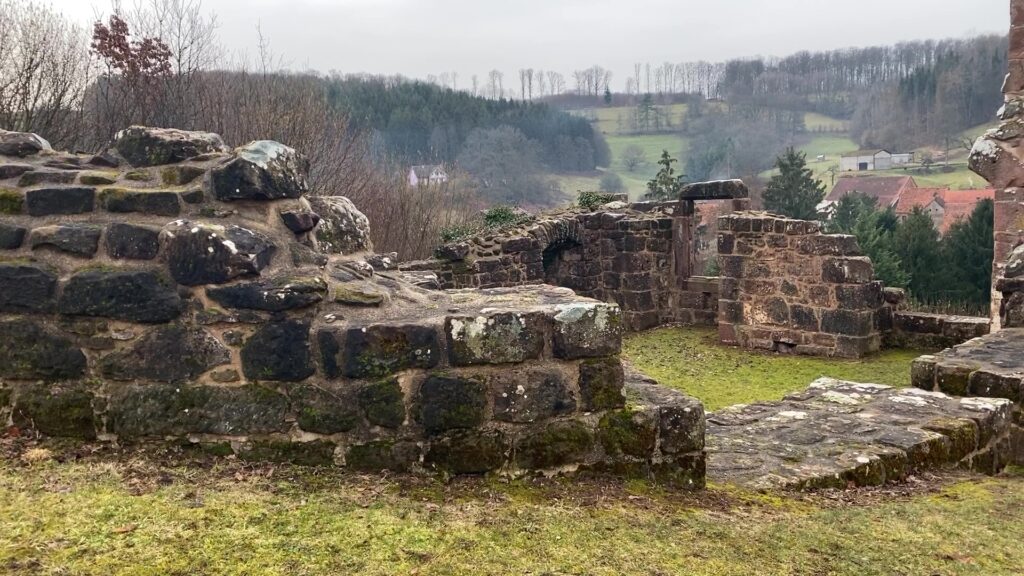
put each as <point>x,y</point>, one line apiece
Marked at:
<point>691,360</point>
<point>85,510</point>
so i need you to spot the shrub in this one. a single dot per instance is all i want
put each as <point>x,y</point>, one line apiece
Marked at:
<point>611,183</point>
<point>591,200</point>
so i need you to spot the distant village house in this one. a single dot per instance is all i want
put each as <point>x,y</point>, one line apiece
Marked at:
<point>427,175</point>
<point>870,160</point>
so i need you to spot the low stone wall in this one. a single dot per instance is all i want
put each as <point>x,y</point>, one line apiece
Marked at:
<point>787,287</point>
<point>921,331</point>
<point>172,288</point>
<point>988,367</point>
<point>625,255</point>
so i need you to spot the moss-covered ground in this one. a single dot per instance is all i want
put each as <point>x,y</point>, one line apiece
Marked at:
<point>84,510</point>
<point>691,360</point>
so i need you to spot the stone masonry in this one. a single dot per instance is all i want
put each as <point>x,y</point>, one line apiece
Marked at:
<point>639,256</point>
<point>174,288</point>
<point>787,287</point>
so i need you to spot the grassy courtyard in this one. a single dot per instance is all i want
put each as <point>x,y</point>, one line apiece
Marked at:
<point>83,510</point>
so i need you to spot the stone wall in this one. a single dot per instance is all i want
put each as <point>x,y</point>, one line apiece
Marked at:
<point>998,156</point>
<point>787,287</point>
<point>922,331</point>
<point>172,287</point>
<point>639,256</point>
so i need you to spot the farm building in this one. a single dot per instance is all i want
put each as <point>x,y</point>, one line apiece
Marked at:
<point>865,161</point>
<point>945,207</point>
<point>427,175</point>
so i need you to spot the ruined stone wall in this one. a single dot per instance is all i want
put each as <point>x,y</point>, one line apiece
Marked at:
<point>998,156</point>
<point>923,331</point>
<point>787,287</point>
<point>174,288</point>
<point>624,255</point>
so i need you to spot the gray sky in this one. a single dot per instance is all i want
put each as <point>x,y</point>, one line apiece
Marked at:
<point>420,37</point>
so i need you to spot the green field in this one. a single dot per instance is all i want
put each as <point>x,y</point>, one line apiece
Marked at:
<point>826,136</point>
<point>691,360</point>
<point>92,510</point>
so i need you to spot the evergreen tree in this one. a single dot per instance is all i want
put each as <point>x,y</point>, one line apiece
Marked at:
<point>875,232</point>
<point>607,96</point>
<point>968,251</point>
<point>849,210</point>
<point>919,249</point>
<point>666,185</point>
<point>794,192</point>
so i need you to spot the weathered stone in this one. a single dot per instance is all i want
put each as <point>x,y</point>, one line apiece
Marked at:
<point>848,270</point>
<point>62,411</point>
<point>172,354</point>
<point>681,420</point>
<point>467,452</point>
<point>454,252</point>
<point>383,262</point>
<point>12,202</point>
<point>206,254</point>
<point>132,242</point>
<point>11,237</point>
<point>447,403</point>
<point>262,170</point>
<point>26,288</point>
<point>312,453</point>
<point>130,295</point>
<point>142,146</point>
<point>155,203</point>
<point>13,170</point>
<point>358,294</point>
<point>226,376</point>
<point>29,351</point>
<point>601,383</point>
<point>37,177</point>
<point>324,410</point>
<point>97,178</point>
<point>157,410</point>
<point>180,175</point>
<point>193,196</point>
<point>383,403</point>
<point>378,350</point>
<point>60,201</point>
<point>557,444</point>
<point>383,455</point>
<point>839,433</point>
<point>300,222</point>
<point>719,190</point>
<point>500,338</point>
<point>21,144</point>
<point>343,229</point>
<point>536,395</point>
<point>628,432</point>
<point>76,239</point>
<point>277,295</point>
<point>279,351</point>
<point>587,331</point>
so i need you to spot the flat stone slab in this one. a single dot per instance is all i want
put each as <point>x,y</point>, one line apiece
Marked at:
<point>836,434</point>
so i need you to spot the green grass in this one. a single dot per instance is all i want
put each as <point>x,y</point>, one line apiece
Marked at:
<point>819,122</point>
<point>68,509</point>
<point>109,516</point>
<point>691,360</point>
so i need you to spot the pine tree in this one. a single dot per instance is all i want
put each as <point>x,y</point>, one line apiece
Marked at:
<point>794,192</point>
<point>607,96</point>
<point>968,251</point>
<point>875,233</point>
<point>920,252</point>
<point>666,185</point>
<point>849,210</point>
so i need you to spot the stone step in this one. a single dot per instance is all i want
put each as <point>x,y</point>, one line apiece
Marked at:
<point>836,434</point>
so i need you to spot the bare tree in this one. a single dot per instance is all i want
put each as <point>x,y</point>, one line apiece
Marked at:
<point>633,156</point>
<point>556,83</point>
<point>495,79</point>
<point>44,71</point>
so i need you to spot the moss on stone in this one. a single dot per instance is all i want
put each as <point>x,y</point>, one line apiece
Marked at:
<point>97,178</point>
<point>12,202</point>
<point>558,444</point>
<point>627,432</point>
<point>138,176</point>
<point>383,403</point>
<point>315,453</point>
<point>382,455</point>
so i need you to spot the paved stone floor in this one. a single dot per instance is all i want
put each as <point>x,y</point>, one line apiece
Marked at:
<point>837,434</point>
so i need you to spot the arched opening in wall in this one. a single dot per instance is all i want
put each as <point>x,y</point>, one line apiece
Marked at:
<point>564,266</point>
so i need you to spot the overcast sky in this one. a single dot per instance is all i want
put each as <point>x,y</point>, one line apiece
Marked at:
<point>420,37</point>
